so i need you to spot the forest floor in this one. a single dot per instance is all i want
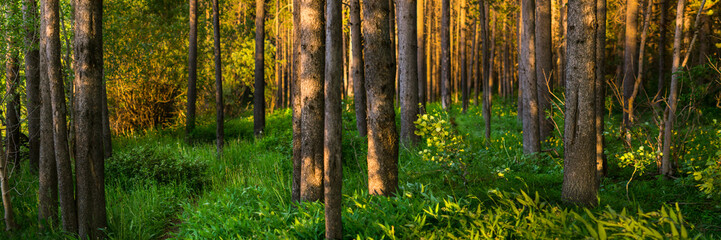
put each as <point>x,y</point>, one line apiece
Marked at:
<point>158,186</point>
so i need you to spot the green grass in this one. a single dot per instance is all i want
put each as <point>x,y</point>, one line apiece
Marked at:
<point>246,192</point>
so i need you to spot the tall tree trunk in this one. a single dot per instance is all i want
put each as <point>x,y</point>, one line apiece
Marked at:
<point>662,43</point>
<point>48,191</point>
<point>580,186</point>
<point>89,123</point>
<point>394,47</point>
<point>382,135</point>
<point>519,59</point>
<point>488,74</point>
<point>481,82</point>
<point>332,164</point>
<point>278,56</point>
<point>463,62</point>
<point>312,60</point>
<point>192,68</point>
<point>666,162</point>
<point>57,98</point>
<point>12,78</point>
<point>629,67</point>
<point>445,79</point>
<point>359,90</point>
<point>219,105</point>
<point>601,164</point>
<point>475,61</point>
<point>259,94</point>
<point>421,53</point>
<point>531,134</point>
<point>32,74</point>
<point>544,67</point>
<point>296,105</point>
<point>408,67</point>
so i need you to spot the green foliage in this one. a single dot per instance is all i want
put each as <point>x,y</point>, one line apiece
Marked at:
<point>639,159</point>
<point>709,176</point>
<point>442,144</point>
<point>153,163</point>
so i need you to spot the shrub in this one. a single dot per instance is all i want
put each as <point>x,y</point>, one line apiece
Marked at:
<point>442,145</point>
<point>156,164</point>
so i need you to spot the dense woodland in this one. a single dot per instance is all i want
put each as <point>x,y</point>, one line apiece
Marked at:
<point>374,119</point>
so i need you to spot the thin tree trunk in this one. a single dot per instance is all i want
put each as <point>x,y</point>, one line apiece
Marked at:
<point>359,90</point>
<point>662,43</point>
<point>463,62</point>
<point>296,105</point>
<point>531,135</point>
<point>408,67</point>
<point>57,98</point>
<point>421,53</point>
<point>445,79</point>
<point>580,185</point>
<point>488,73</point>
<point>48,191</point>
<point>475,62</point>
<point>332,164</point>
<point>192,68</point>
<point>219,105</point>
<point>12,78</point>
<point>601,164</point>
<point>629,67</point>
<point>544,68</point>
<point>382,135</point>
<point>32,75</point>
<point>278,56</point>
<point>312,59</point>
<point>259,94</point>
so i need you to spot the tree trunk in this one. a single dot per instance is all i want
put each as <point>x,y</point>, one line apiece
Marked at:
<point>296,105</point>
<point>12,78</point>
<point>463,62</point>
<point>359,90</point>
<point>9,215</point>
<point>192,68</point>
<point>580,186</point>
<point>629,67</point>
<point>601,164</point>
<point>89,123</point>
<point>394,47</point>
<point>519,59</point>
<point>544,68</point>
<point>445,55</point>
<point>259,94</point>
<point>32,88</point>
<point>332,164</point>
<point>488,73</point>
<point>421,53</point>
<point>475,67</point>
<point>408,67</point>
<point>312,59</point>
<point>219,105</point>
<point>278,55</point>
<point>57,98</point>
<point>662,43</point>
<point>382,135</point>
<point>485,55</point>
<point>531,135</point>
<point>48,191</point>
<point>666,162</point>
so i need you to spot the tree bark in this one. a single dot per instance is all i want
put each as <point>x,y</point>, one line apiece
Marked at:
<point>601,164</point>
<point>312,59</point>
<point>544,67</point>
<point>531,134</point>
<point>278,55</point>
<point>57,97</point>
<point>485,55</point>
<point>296,105</point>
<point>89,122</point>
<point>580,185</point>
<point>421,53</point>
<point>12,78</point>
<point>630,80</point>
<point>667,168</point>
<point>463,62</point>
<point>259,94</point>
<point>662,43</point>
<point>408,67</point>
<point>359,90</point>
<point>219,105</point>
<point>445,79</point>
<point>32,87</point>
<point>382,135</point>
<point>9,215</point>
<point>488,73</point>
<point>332,164</point>
<point>48,189</point>
<point>192,68</point>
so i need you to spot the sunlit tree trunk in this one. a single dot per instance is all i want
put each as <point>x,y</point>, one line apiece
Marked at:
<point>382,135</point>
<point>311,74</point>
<point>630,80</point>
<point>667,168</point>
<point>421,53</point>
<point>296,105</point>
<point>580,185</point>
<point>48,189</point>
<point>544,67</point>
<point>531,137</point>
<point>192,67</point>
<point>601,165</point>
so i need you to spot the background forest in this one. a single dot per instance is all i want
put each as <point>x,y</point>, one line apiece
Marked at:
<point>485,154</point>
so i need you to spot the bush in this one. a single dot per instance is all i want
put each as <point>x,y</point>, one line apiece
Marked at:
<point>157,164</point>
